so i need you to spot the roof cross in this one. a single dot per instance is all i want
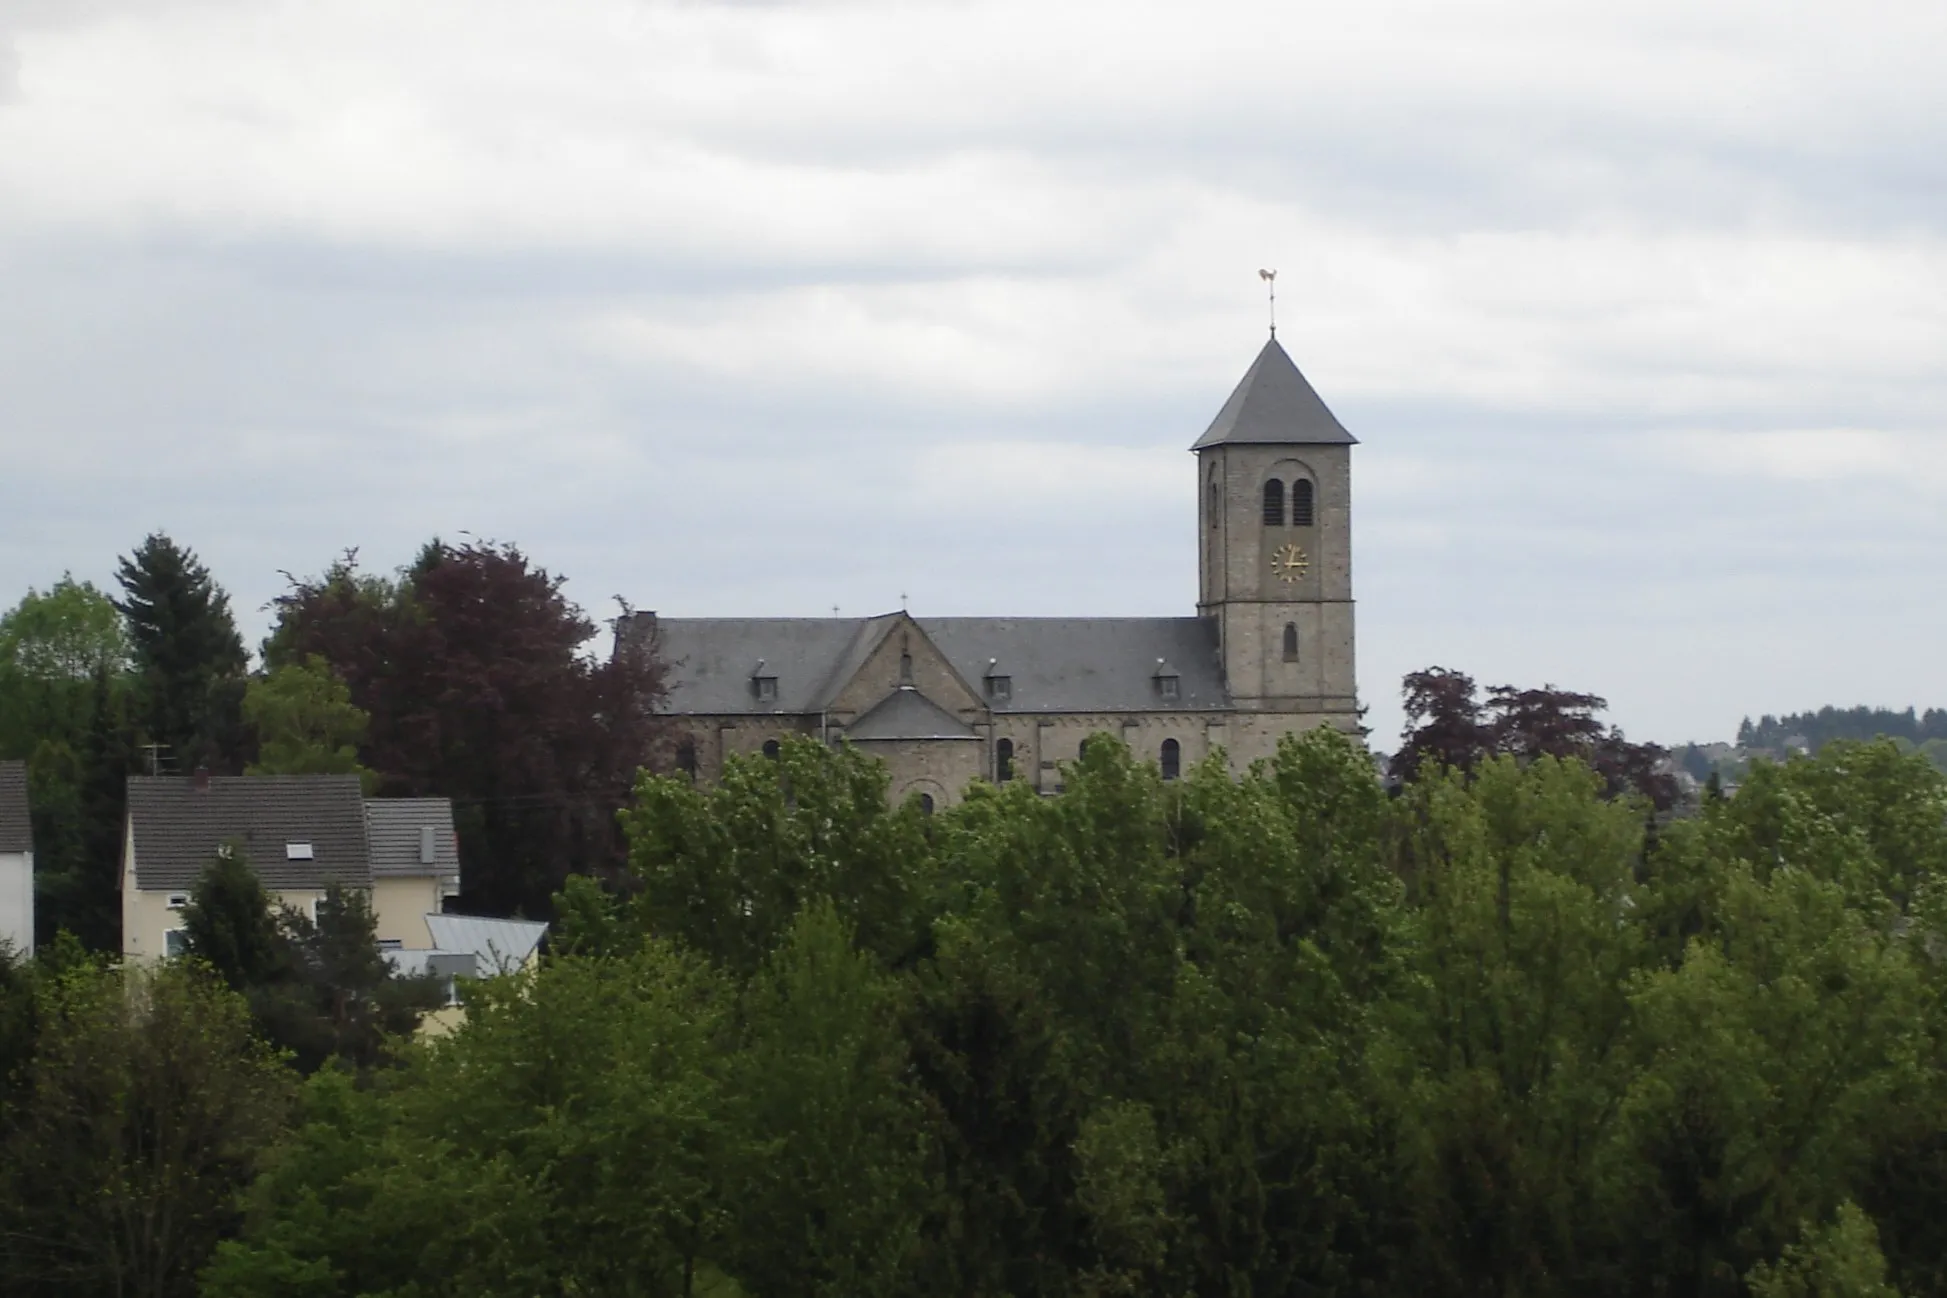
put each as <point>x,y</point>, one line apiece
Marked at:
<point>1270,278</point>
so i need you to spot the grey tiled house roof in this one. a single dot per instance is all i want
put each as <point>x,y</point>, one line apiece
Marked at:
<point>401,830</point>
<point>1274,404</point>
<point>179,827</point>
<point>16,822</point>
<point>1106,664</point>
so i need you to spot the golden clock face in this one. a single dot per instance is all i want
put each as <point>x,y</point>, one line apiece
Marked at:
<point>1289,563</point>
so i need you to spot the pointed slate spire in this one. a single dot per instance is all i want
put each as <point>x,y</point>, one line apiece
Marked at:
<point>1275,405</point>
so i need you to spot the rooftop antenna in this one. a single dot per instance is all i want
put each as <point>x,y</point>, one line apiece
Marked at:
<point>1270,278</point>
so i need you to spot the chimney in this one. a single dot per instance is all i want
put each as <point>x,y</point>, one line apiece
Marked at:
<point>200,781</point>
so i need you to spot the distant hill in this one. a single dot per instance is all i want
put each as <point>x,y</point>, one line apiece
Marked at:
<point>1814,730</point>
<point>1807,732</point>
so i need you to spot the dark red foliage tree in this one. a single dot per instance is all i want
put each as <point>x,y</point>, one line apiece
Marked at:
<point>1443,724</point>
<point>1446,725</point>
<point>473,668</point>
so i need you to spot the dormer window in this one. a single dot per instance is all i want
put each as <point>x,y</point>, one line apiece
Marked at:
<point>1169,685</point>
<point>299,852</point>
<point>1000,686</point>
<point>763,684</point>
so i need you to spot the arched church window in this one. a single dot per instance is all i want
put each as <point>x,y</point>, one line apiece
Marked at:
<point>1301,503</point>
<point>1291,642</point>
<point>1172,759</point>
<point>1003,761</point>
<point>926,804</point>
<point>771,749</point>
<point>686,757</point>
<point>1274,503</point>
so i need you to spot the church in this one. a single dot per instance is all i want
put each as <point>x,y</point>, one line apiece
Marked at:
<point>945,701</point>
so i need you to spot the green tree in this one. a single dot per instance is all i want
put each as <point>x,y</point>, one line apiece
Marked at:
<point>150,1106</point>
<point>575,1136</point>
<point>334,995</point>
<point>305,722</point>
<point>1841,1260</point>
<point>189,659</point>
<point>51,645</point>
<point>228,924</point>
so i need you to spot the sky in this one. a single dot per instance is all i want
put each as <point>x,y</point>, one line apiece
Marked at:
<point>1639,311</point>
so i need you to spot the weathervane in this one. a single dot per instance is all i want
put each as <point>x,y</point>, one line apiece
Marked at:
<point>1270,278</point>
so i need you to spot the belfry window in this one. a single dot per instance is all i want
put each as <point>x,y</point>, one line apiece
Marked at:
<point>905,668</point>
<point>1274,503</point>
<point>1172,759</point>
<point>1291,642</point>
<point>1003,761</point>
<point>1301,503</point>
<point>1216,499</point>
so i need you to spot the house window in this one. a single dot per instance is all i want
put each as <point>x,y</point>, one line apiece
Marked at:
<point>1003,761</point>
<point>771,749</point>
<point>1291,642</point>
<point>1000,688</point>
<point>299,852</point>
<point>1274,503</point>
<point>391,944</point>
<point>1301,503</point>
<point>1172,759</point>
<point>177,900</point>
<point>175,942</point>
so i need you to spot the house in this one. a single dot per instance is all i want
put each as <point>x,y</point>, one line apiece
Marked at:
<point>467,946</point>
<point>949,700</point>
<point>16,859</point>
<point>415,865</point>
<point>301,833</point>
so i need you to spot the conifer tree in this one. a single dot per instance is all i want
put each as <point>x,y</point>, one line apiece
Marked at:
<point>189,658</point>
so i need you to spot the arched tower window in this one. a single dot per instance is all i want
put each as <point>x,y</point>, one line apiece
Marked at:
<point>771,749</point>
<point>1291,642</point>
<point>1003,761</point>
<point>1172,759</point>
<point>1274,503</point>
<point>1302,511</point>
<point>1216,500</point>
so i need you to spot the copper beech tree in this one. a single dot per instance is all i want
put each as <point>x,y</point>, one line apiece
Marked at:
<point>476,673</point>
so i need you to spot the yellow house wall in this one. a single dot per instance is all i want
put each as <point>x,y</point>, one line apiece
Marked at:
<point>400,905</point>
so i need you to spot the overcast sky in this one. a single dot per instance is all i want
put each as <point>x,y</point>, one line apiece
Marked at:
<point>1638,309</point>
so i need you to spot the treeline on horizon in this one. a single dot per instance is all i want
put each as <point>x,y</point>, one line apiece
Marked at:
<point>1817,729</point>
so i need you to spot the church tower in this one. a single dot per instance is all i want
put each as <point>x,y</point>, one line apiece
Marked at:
<point>1274,543</point>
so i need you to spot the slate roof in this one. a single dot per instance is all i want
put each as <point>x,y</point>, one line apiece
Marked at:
<point>1105,664</point>
<point>395,829</point>
<point>16,820</point>
<point>1275,404</point>
<point>1087,664</point>
<point>178,828</point>
<point>907,714</point>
